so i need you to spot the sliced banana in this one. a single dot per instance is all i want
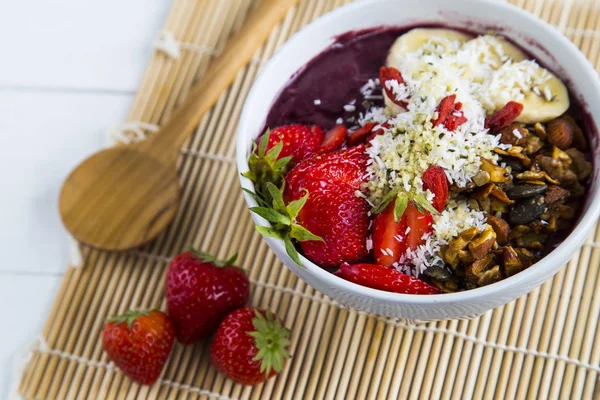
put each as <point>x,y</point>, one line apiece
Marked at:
<point>544,96</point>
<point>437,40</point>
<point>488,53</point>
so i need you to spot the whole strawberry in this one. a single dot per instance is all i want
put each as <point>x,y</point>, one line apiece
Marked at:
<point>333,211</point>
<point>298,140</point>
<point>250,346</point>
<point>201,291</point>
<point>139,343</point>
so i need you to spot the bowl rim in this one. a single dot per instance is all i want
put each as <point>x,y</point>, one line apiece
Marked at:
<point>552,262</point>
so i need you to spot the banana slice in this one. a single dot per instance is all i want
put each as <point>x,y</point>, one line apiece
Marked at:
<point>437,40</point>
<point>543,95</point>
<point>488,53</point>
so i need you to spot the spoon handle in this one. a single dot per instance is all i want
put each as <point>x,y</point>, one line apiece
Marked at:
<point>165,144</point>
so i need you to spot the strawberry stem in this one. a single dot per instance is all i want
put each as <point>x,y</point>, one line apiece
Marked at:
<point>212,259</point>
<point>271,339</point>
<point>129,316</point>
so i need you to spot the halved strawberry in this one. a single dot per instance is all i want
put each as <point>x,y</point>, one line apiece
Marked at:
<point>391,74</point>
<point>434,180</point>
<point>383,278</point>
<point>389,238</point>
<point>334,138</point>
<point>504,117</point>
<point>361,134</point>
<point>418,225</point>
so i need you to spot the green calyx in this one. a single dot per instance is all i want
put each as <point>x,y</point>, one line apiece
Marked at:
<point>283,221</point>
<point>267,173</point>
<point>271,339</point>
<point>265,166</point>
<point>212,259</point>
<point>402,200</point>
<point>129,316</point>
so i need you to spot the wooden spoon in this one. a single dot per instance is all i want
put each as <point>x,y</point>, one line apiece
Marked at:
<point>124,196</point>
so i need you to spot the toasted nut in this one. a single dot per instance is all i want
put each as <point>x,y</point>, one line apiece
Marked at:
<point>482,243</point>
<point>511,261</point>
<point>450,255</point>
<point>497,173</point>
<point>536,176</point>
<point>508,135</point>
<point>579,139</point>
<point>490,276</point>
<point>498,205</point>
<point>516,152</point>
<point>500,195</point>
<point>561,156</point>
<point>500,226</point>
<point>467,235</point>
<point>580,165</point>
<point>484,192</point>
<point>481,178</point>
<point>533,145</point>
<point>540,130</point>
<point>475,270</point>
<point>560,133</point>
<point>539,183</point>
<point>465,257</point>
<point>555,193</point>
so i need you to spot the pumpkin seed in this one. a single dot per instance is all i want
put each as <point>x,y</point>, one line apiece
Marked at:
<point>525,191</point>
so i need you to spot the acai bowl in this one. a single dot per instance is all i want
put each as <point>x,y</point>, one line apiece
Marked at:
<point>423,161</point>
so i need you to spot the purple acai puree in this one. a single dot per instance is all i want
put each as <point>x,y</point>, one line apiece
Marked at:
<point>334,77</point>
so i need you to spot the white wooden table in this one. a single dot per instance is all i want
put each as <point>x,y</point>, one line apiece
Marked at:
<point>68,72</point>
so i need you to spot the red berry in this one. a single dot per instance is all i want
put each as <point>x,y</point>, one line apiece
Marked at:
<point>298,140</point>
<point>334,139</point>
<point>250,346</point>
<point>449,113</point>
<point>332,211</point>
<point>391,74</point>
<point>201,291</point>
<point>139,343</point>
<point>504,117</point>
<point>434,180</point>
<point>384,278</point>
<point>420,224</point>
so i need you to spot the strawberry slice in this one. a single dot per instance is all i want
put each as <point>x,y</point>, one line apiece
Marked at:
<point>334,138</point>
<point>391,74</point>
<point>449,113</point>
<point>361,134</point>
<point>389,238</point>
<point>384,278</point>
<point>504,117</point>
<point>434,180</point>
<point>418,224</point>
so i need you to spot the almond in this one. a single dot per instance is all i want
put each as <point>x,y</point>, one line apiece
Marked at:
<point>560,133</point>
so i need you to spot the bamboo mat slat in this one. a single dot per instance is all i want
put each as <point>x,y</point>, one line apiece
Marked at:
<point>544,345</point>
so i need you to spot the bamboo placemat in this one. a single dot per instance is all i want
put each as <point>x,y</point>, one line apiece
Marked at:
<point>544,345</point>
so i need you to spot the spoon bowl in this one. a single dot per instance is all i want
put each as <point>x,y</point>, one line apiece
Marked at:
<point>119,198</point>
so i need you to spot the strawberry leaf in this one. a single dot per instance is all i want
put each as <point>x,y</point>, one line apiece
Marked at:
<point>273,153</point>
<point>302,234</point>
<point>385,200</point>
<point>271,215</point>
<point>256,197</point>
<point>129,317</point>
<point>269,232</point>
<point>291,251</point>
<point>264,142</point>
<point>421,202</point>
<point>277,196</point>
<point>400,207</point>
<point>294,207</point>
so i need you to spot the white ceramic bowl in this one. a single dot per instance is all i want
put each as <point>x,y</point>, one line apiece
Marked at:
<point>542,40</point>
